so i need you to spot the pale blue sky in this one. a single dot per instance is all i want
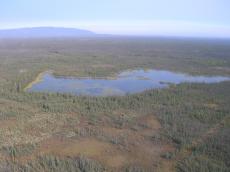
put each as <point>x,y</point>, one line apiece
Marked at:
<point>142,17</point>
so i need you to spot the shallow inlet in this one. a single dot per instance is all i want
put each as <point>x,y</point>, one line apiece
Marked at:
<point>128,82</point>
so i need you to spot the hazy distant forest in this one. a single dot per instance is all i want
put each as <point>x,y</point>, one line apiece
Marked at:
<point>184,128</point>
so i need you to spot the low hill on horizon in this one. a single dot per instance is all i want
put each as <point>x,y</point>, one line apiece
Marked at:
<point>45,32</point>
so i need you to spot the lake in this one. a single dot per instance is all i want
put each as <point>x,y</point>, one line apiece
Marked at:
<point>127,82</point>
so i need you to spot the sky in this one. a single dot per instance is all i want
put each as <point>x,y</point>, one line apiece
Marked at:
<point>195,18</point>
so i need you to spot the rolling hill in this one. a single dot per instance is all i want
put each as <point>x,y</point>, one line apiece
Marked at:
<point>45,32</point>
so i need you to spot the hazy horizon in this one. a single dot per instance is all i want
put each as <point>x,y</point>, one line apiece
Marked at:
<point>209,18</point>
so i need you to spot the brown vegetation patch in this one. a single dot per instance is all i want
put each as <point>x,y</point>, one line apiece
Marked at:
<point>166,166</point>
<point>8,123</point>
<point>116,160</point>
<point>89,147</point>
<point>148,125</point>
<point>211,105</point>
<point>148,154</point>
<point>106,153</point>
<point>150,121</point>
<point>114,132</point>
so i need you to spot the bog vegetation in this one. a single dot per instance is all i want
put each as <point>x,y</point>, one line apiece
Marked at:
<point>182,128</point>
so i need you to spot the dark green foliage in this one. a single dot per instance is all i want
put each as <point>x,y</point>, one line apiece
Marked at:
<point>55,164</point>
<point>135,169</point>
<point>217,147</point>
<point>211,155</point>
<point>197,164</point>
<point>16,151</point>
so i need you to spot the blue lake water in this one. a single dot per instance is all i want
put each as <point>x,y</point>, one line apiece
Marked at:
<point>127,82</point>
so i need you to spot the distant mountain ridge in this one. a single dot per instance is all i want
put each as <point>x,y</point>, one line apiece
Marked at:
<point>43,32</point>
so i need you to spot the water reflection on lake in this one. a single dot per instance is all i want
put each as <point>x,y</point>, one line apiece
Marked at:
<point>125,83</point>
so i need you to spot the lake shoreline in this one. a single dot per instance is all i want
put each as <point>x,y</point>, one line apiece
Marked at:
<point>38,79</point>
